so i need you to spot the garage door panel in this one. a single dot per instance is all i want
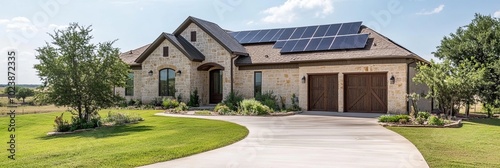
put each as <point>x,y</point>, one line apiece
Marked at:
<point>365,92</point>
<point>323,93</point>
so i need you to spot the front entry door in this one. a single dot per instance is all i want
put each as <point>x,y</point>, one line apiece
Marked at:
<point>215,86</point>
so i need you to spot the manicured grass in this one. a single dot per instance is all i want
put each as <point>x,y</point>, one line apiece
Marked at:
<point>154,140</point>
<point>476,144</point>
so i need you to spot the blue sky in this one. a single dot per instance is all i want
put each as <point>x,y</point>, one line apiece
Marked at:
<point>418,25</point>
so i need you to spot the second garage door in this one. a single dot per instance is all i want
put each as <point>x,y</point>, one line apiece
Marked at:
<point>365,92</point>
<point>323,92</point>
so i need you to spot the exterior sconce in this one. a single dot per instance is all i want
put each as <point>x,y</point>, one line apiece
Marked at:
<point>150,73</point>
<point>179,72</point>
<point>303,79</point>
<point>392,79</point>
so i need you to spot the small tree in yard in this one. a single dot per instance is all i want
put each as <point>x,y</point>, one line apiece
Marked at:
<point>79,74</point>
<point>22,93</point>
<point>448,84</point>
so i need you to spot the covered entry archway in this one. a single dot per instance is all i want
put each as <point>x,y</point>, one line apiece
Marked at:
<point>215,90</point>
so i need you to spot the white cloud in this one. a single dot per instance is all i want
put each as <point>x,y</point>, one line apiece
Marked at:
<point>496,14</point>
<point>18,24</point>
<point>435,11</point>
<point>289,11</point>
<point>250,22</point>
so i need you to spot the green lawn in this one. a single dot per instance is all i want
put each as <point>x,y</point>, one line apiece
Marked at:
<point>154,140</point>
<point>476,144</point>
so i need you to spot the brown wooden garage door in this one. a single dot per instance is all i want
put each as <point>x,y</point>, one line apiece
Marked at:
<point>323,92</point>
<point>365,92</point>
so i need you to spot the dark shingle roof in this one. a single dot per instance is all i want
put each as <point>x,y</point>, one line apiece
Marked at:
<point>129,57</point>
<point>179,42</point>
<point>219,34</point>
<point>378,47</point>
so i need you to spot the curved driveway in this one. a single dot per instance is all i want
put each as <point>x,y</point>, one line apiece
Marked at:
<point>311,139</point>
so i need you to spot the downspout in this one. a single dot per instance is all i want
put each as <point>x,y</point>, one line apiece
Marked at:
<point>408,85</point>
<point>232,65</point>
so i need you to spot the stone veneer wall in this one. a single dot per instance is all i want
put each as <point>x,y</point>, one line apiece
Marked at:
<point>155,62</point>
<point>213,52</point>
<point>137,87</point>
<point>283,82</point>
<point>396,99</point>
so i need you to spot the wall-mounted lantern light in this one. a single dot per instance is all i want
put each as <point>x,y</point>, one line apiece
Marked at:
<point>392,79</point>
<point>150,73</point>
<point>303,79</point>
<point>179,72</point>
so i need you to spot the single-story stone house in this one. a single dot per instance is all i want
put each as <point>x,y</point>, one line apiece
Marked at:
<point>345,67</point>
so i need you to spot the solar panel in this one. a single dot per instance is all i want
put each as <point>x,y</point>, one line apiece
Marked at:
<point>301,45</point>
<point>298,33</point>
<point>279,44</point>
<point>240,35</point>
<point>349,28</point>
<point>309,32</point>
<point>234,33</point>
<point>249,37</point>
<point>325,43</point>
<point>278,34</point>
<point>321,31</point>
<point>333,29</point>
<point>269,35</point>
<point>289,46</point>
<point>286,34</point>
<point>259,36</point>
<point>349,42</point>
<point>313,44</point>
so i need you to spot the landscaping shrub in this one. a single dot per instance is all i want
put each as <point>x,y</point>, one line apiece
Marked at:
<point>423,114</point>
<point>138,103</point>
<point>222,109</point>
<point>295,106</point>
<point>170,103</point>
<point>269,99</point>
<point>253,107</point>
<point>420,120</point>
<point>180,108</point>
<point>115,118</point>
<point>194,99</point>
<point>61,125</point>
<point>131,102</point>
<point>433,120</point>
<point>233,100</point>
<point>77,123</point>
<point>394,118</point>
<point>157,101</point>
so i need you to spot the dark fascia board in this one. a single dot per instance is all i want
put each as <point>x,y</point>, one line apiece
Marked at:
<point>157,43</point>
<point>190,20</point>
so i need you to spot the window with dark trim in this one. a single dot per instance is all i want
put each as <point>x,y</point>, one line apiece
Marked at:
<point>165,51</point>
<point>129,88</point>
<point>167,82</point>
<point>257,83</point>
<point>193,36</point>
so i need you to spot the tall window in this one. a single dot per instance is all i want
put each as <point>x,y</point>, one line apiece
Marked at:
<point>167,82</point>
<point>129,88</point>
<point>165,51</point>
<point>257,83</point>
<point>193,36</point>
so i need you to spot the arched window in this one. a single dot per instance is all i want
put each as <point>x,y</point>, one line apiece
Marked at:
<point>167,82</point>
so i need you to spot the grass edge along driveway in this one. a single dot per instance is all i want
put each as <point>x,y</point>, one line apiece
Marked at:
<point>156,139</point>
<point>476,144</point>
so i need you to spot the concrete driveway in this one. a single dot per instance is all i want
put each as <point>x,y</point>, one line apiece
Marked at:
<point>311,139</point>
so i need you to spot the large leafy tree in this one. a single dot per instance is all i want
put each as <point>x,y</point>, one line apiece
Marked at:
<point>479,42</point>
<point>79,74</point>
<point>23,93</point>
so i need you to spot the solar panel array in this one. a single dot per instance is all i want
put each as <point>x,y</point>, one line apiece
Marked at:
<point>311,38</point>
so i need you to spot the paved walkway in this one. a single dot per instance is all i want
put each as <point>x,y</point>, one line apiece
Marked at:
<point>320,139</point>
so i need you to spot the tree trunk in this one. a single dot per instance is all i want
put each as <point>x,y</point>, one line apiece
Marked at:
<point>467,107</point>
